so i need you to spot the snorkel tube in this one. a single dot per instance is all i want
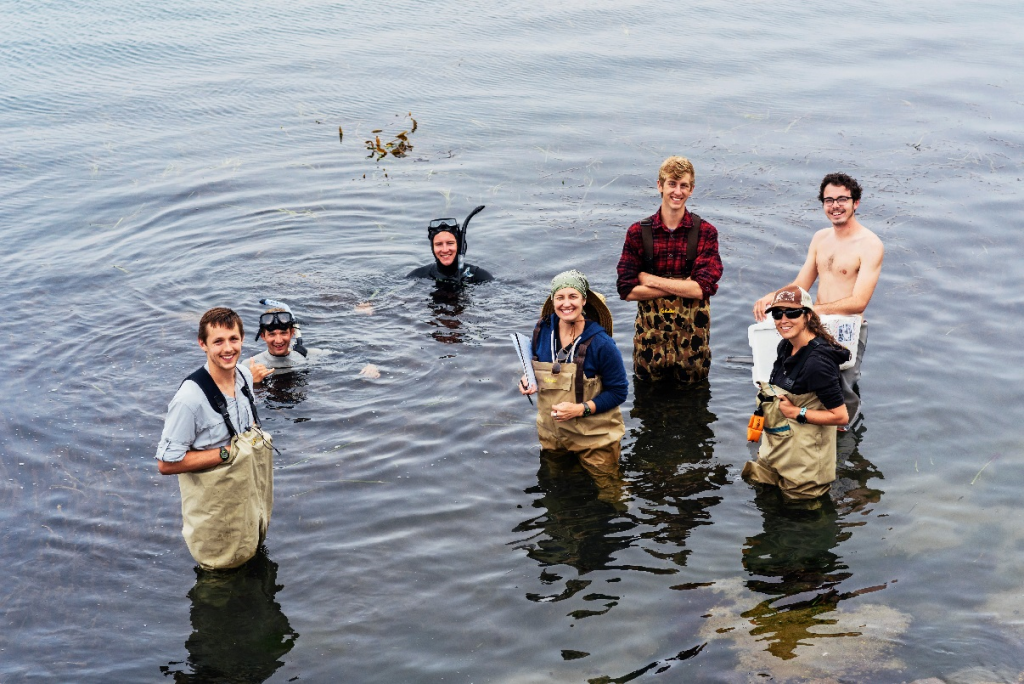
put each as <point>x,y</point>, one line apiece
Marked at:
<point>462,249</point>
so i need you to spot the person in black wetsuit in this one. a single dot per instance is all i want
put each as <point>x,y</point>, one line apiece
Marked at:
<point>448,244</point>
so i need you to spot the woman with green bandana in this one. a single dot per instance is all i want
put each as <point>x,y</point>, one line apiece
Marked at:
<point>581,378</point>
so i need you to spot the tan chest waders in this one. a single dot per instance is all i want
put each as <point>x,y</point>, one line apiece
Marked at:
<point>799,458</point>
<point>226,510</point>
<point>596,439</point>
<point>673,334</point>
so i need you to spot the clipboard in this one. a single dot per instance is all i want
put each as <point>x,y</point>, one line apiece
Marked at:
<point>523,346</point>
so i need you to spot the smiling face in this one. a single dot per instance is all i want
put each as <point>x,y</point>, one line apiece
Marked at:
<point>791,328</point>
<point>278,341</point>
<point>568,304</point>
<point>839,213</point>
<point>675,192</point>
<point>446,248</point>
<point>222,346</point>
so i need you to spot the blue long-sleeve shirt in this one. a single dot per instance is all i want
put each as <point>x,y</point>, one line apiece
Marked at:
<point>602,359</point>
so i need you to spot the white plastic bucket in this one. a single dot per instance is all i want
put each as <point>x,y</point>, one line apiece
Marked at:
<point>764,340</point>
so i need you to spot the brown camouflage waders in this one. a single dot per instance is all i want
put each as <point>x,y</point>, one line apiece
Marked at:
<point>673,339</point>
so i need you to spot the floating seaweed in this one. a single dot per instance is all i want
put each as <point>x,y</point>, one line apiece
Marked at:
<point>399,146</point>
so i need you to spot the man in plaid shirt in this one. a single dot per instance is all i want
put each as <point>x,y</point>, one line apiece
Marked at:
<point>671,282</point>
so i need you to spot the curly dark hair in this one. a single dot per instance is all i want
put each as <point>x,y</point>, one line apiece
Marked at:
<point>815,325</point>
<point>840,179</point>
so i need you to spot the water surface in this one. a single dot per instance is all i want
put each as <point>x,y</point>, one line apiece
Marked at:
<point>160,160</point>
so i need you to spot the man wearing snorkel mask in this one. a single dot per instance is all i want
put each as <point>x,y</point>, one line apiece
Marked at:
<point>448,244</point>
<point>277,329</point>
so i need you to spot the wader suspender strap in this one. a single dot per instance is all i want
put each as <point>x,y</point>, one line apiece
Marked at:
<point>216,398</point>
<point>581,355</point>
<point>536,336</point>
<point>647,234</point>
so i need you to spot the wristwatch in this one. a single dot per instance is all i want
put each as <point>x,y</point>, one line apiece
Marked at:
<point>802,418</point>
<point>224,454</point>
<point>586,409</point>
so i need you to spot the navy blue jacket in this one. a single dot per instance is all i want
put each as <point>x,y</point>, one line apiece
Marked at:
<point>603,359</point>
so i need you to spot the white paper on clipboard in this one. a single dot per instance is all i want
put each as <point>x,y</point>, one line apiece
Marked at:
<point>523,346</point>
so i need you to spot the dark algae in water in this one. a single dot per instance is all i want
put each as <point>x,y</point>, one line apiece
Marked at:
<point>399,146</point>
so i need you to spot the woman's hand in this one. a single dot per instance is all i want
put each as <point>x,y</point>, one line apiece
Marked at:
<point>567,410</point>
<point>525,388</point>
<point>788,408</point>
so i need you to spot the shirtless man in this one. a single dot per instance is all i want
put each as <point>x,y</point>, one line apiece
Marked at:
<point>846,260</point>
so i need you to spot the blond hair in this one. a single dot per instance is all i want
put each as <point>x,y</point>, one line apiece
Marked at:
<point>676,167</point>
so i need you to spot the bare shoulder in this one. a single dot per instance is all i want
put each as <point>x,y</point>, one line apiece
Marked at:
<point>869,244</point>
<point>820,237</point>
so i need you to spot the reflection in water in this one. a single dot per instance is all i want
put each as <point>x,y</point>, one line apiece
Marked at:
<point>671,470</point>
<point>239,633</point>
<point>578,529</point>
<point>795,556</point>
<point>447,303</point>
<point>284,390</point>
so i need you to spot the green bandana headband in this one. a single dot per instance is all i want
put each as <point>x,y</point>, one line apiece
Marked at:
<point>573,279</point>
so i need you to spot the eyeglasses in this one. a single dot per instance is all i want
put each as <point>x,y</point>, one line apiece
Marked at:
<point>777,314</point>
<point>561,357</point>
<point>276,318</point>
<point>829,201</point>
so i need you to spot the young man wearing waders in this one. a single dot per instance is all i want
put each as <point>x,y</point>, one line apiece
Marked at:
<point>213,442</point>
<point>670,266</point>
<point>846,260</point>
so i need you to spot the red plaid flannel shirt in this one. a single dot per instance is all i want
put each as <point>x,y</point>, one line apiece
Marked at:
<point>670,255</point>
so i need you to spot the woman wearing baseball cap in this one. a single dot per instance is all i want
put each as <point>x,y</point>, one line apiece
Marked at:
<point>801,404</point>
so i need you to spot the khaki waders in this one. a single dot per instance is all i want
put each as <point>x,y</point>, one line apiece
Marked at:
<point>596,439</point>
<point>226,510</point>
<point>798,458</point>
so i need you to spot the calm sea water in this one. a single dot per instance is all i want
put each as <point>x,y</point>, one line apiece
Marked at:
<point>162,159</point>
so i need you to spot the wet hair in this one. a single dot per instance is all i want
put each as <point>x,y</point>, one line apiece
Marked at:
<point>815,325</point>
<point>676,167</point>
<point>840,179</point>
<point>221,317</point>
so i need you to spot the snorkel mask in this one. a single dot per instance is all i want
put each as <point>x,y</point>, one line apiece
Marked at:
<point>275,320</point>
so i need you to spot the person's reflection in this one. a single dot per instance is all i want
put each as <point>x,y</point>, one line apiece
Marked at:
<point>284,390</point>
<point>794,560</point>
<point>577,529</point>
<point>851,490</point>
<point>239,633</point>
<point>671,464</point>
<point>447,303</point>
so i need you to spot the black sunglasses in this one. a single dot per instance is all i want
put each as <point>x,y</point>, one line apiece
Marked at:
<point>777,314</point>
